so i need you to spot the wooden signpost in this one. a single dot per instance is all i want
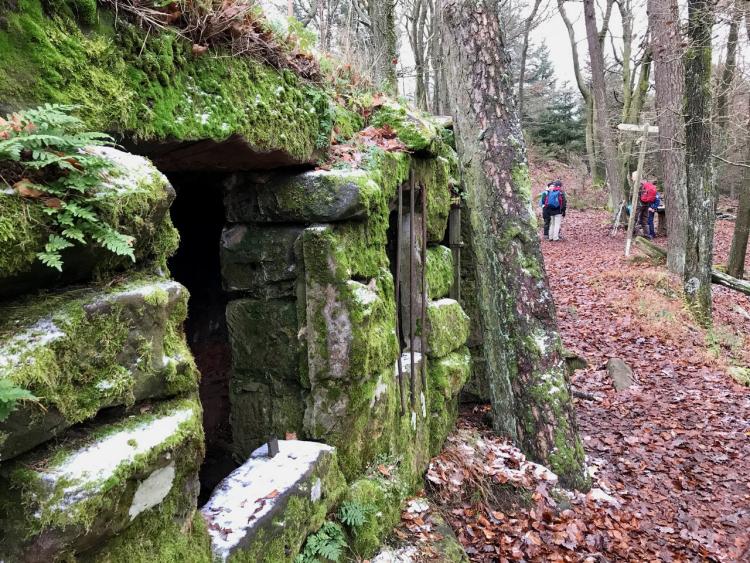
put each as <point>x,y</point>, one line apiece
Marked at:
<point>644,129</point>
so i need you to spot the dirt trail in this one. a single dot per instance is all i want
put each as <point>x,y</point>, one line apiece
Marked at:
<point>675,449</point>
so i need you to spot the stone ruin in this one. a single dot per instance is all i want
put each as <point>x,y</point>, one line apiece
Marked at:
<point>263,303</point>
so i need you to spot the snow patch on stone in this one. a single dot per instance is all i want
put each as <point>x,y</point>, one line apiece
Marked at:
<point>363,295</point>
<point>241,500</point>
<point>134,170</point>
<point>406,554</point>
<point>37,335</point>
<point>87,469</point>
<point>152,491</point>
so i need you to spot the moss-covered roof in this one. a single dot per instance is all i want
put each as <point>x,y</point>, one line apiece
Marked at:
<point>150,86</point>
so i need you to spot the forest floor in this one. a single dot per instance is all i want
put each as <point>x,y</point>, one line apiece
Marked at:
<point>670,455</point>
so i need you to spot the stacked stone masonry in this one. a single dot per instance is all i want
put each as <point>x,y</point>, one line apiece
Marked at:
<point>104,464</point>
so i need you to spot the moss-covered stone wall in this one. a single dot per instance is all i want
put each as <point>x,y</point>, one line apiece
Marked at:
<point>103,464</point>
<point>151,87</point>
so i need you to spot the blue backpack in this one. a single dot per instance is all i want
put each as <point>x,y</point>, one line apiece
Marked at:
<point>553,199</point>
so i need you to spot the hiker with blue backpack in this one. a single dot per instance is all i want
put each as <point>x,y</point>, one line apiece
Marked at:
<point>554,205</point>
<point>542,204</point>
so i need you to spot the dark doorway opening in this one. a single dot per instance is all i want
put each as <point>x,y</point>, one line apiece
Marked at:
<point>198,214</point>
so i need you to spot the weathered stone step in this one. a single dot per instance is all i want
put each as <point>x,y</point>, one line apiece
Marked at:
<point>83,350</point>
<point>134,198</point>
<point>266,508</point>
<point>99,481</point>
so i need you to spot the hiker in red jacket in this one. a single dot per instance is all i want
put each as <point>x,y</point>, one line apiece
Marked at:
<point>646,196</point>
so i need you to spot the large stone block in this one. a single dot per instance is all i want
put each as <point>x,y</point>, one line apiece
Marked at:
<point>260,409</point>
<point>266,508</point>
<point>447,376</point>
<point>439,271</point>
<point>263,337</point>
<point>134,198</point>
<point>447,327</point>
<point>259,260</point>
<point>317,196</point>
<point>84,350</point>
<point>99,481</point>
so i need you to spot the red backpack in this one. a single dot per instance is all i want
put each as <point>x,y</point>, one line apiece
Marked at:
<point>648,193</point>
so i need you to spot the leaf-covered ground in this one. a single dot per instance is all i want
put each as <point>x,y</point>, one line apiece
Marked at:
<point>671,455</point>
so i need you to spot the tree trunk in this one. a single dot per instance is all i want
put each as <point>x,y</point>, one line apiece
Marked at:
<point>530,395</point>
<point>723,92</point>
<point>738,251</point>
<point>666,47</point>
<point>701,191</point>
<point>609,148</point>
<point>382,15</point>
<point>524,51</point>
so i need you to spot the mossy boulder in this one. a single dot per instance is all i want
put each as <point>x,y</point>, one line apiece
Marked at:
<point>99,481</point>
<point>380,494</point>
<point>415,130</point>
<point>134,198</point>
<point>315,196</point>
<point>439,271</point>
<point>447,327</point>
<point>447,377</point>
<point>149,87</point>
<point>259,260</point>
<point>265,509</point>
<point>84,350</point>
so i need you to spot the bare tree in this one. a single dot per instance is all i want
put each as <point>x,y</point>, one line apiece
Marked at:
<point>738,251</point>
<point>606,134</point>
<point>530,394</point>
<point>666,46</point>
<point>528,26</point>
<point>583,87</point>
<point>701,190</point>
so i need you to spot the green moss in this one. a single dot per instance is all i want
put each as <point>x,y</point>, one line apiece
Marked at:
<point>416,131</point>
<point>439,271</point>
<point>447,376</point>
<point>158,537</point>
<point>92,362</point>
<point>150,86</point>
<point>109,496</point>
<point>134,202</point>
<point>22,233</point>
<point>346,123</point>
<point>437,175</point>
<point>448,327</point>
<point>384,494</point>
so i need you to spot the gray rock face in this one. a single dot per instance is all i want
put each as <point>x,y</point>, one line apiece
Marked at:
<point>85,490</point>
<point>315,196</point>
<point>259,260</point>
<point>80,352</point>
<point>263,336</point>
<point>620,373</point>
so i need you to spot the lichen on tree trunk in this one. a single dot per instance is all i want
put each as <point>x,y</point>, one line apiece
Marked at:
<point>530,395</point>
<point>701,191</point>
